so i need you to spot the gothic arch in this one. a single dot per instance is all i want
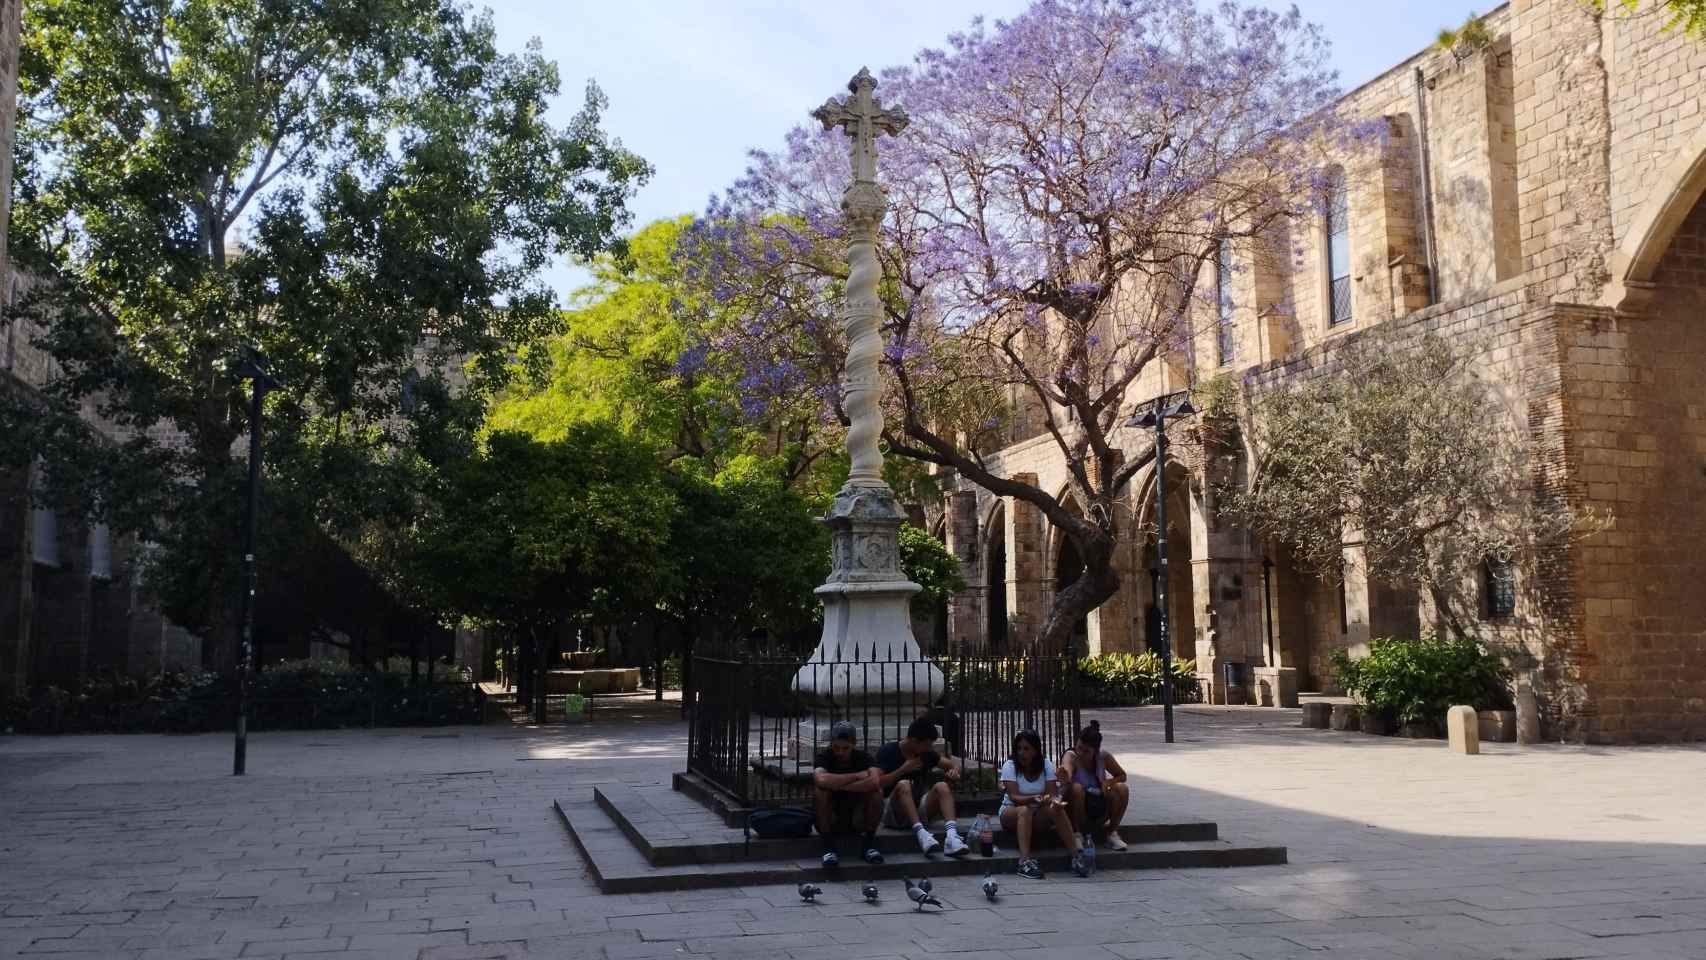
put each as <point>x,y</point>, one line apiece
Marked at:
<point>1655,225</point>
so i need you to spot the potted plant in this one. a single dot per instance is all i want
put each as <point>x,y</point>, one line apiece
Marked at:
<point>574,708</point>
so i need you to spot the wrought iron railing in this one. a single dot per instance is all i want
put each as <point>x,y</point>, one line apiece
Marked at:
<point>758,720</point>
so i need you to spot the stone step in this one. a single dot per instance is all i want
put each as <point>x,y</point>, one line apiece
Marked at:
<point>672,830</point>
<point>618,866</point>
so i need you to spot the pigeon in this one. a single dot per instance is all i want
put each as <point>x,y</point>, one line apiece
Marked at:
<point>990,887</point>
<point>870,892</point>
<point>809,892</point>
<point>921,896</point>
<point>924,884</point>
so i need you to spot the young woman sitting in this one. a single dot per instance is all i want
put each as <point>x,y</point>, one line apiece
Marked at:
<point>1030,801</point>
<point>1094,785</point>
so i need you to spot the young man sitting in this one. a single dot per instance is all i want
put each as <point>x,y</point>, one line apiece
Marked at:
<point>847,782</point>
<point>904,765</point>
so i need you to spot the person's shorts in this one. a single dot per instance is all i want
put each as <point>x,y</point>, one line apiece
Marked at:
<point>1095,806</point>
<point>892,817</point>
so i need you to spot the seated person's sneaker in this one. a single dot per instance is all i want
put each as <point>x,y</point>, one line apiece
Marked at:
<point>953,846</point>
<point>873,855</point>
<point>1078,867</point>
<point>1030,869</point>
<point>926,842</point>
<point>830,860</point>
<point>1114,841</point>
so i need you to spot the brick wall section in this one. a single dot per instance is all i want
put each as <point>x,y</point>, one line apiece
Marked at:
<point>1656,107</point>
<point>1563,121</point>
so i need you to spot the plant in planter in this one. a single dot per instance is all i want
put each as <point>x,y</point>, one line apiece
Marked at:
<point>1412,682</point>
<point>574,708</point>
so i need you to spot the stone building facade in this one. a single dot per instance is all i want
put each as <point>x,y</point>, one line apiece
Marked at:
<point>69,590</point>
<point>1540,198</point>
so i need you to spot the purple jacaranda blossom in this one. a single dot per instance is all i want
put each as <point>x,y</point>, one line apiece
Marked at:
<point>1055,205</point>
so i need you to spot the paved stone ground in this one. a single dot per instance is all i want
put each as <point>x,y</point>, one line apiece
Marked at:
<point>442,845</point>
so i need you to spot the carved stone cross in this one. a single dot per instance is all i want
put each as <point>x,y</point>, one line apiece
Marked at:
<point>863,119</point>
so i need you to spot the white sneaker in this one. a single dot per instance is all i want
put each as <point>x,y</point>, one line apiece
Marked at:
<point>1114,841</point>
<point>954,846</point>
<point>926,842</point>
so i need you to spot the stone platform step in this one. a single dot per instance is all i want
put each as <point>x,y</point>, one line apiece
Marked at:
<point>672,830</point>
<point>619,864</point>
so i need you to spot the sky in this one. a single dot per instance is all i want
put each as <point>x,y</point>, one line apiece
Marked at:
<point>695,84</point>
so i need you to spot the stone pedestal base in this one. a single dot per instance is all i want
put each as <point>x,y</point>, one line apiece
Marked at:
<point>1276,686</point>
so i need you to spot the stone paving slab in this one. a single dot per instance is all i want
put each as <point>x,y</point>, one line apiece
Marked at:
<point>1398,850</point>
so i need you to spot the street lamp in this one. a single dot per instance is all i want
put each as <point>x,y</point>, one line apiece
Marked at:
<point>250,365</point>
<point>1156,417</point>
<point>1268,611</point>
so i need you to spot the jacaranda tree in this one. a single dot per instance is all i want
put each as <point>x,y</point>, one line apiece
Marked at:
<point>1065,179</point>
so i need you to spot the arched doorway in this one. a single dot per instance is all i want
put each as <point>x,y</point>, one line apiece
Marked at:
<point>995,579</point>
<point>1181,600</point>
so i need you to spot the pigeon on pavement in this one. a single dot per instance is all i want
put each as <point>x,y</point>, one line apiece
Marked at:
<point>921,896</point>
<point>809,892</point>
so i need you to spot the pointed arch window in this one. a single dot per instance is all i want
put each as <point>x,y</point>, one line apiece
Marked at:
<point>1338,250</point>
<point>1226,330</point>
<point>1498,589</point>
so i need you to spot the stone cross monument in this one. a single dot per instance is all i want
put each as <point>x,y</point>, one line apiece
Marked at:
<point>867,621</point>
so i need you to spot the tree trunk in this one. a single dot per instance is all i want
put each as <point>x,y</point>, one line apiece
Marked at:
<point>1094,586</point>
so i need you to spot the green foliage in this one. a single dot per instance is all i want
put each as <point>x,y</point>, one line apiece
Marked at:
<point>1469,36</point>
<point>531,534</point>
<point>298,694</point>
<point>1419,680</point>
<point>365,190</point>
<point>1408,446</point>
<point>746,551</point>
<point>1217,396</point>
<point>630,354</point>
<point>926,561</point>
<point>1126,679</point>
<point>1687,15</point>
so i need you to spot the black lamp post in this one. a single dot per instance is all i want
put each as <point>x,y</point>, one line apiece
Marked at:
<point>251,365</point>
<point>1268,609</point>
<point>1156,417</point>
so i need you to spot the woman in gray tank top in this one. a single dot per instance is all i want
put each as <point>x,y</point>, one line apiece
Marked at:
<point>1094,785</point>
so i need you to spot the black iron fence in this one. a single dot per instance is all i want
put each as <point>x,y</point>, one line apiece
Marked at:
<point>757,721</point>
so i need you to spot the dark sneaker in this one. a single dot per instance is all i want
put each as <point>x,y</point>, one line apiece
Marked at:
<point>830,860</point>
<point>1078,867</point>
<point>1030,870</point>
<point>873,855</point>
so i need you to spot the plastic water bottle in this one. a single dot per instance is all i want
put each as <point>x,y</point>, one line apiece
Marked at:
<point>1087,850</point>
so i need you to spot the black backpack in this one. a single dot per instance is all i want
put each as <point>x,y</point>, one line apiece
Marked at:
<point>774,823</point>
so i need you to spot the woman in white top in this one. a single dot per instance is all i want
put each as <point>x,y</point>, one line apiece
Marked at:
<point>1030,794</point>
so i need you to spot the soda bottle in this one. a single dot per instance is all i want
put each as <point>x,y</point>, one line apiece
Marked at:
<point>985,835</point>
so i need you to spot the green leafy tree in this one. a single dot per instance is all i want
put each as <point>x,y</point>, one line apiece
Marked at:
<point>365,190</point>
<point>1407,450</point>
<point>1687,15</point>
<point>632,353</point>
<point>926,561</point>
<point>748,553</point>
<point>536,536</point>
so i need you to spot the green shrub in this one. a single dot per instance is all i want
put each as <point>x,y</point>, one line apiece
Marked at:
<point>297,694</point>
<point>1418,680</point>
<point>1128,679</point>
